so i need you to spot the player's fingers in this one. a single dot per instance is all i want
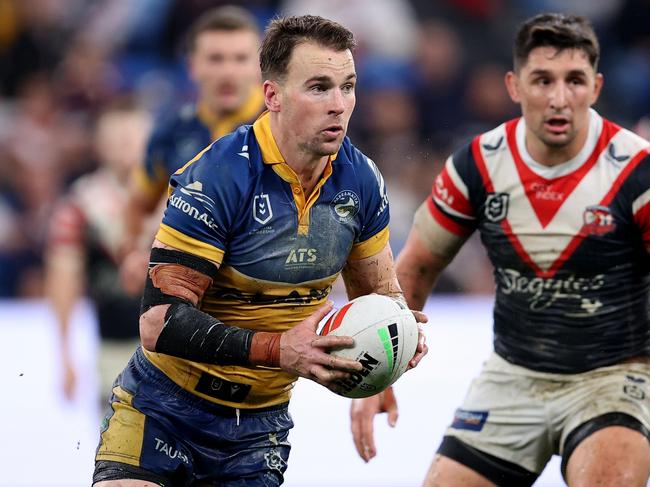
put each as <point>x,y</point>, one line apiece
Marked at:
<point>331,341</point>
<point>367,437</point>
<point>390,405</point>
<point>327,377</point>
<point>319,314</point>
<point>420,317</point>
<point>340,363</point>
<point>356,417</point>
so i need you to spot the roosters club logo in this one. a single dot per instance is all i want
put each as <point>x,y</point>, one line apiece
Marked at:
<point>598,220</point>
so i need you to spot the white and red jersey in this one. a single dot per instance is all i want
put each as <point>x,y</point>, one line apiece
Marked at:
<point>89,219</point>
<point>569,243</point>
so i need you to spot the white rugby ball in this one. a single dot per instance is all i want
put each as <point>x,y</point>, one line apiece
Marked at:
<point>385,339</point>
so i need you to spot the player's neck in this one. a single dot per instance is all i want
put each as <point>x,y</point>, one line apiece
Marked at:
<point>308,166</point>
<point>550,156</point>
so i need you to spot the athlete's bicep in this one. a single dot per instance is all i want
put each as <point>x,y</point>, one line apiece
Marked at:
<point>173,276</point>
<point>374,274</point>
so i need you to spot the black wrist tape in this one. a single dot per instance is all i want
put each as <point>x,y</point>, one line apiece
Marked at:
<point>194,335</point>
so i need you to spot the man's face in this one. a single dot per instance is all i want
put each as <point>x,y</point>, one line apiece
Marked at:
<point>224,65</point>
<point>317,98</point>
<point>555,90</point>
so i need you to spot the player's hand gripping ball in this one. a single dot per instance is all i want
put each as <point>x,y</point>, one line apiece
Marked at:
<point>385,339</point>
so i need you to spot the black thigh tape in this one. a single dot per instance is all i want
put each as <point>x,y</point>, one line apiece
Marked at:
<point>194,335</point>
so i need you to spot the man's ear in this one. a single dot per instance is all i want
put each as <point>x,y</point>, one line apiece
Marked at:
<point>272,95</point>
<point>598,85</point>
<point>512,85</point>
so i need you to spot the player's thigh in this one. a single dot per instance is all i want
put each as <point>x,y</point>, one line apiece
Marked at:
<point>445,472</point>
<point>501,422</point>
<point>611,456</point>
<point>257,455</point>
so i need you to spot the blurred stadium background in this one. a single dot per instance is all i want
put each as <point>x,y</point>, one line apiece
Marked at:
<point>430,77</point>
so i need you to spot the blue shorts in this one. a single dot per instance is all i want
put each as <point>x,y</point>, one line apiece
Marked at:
<point>157,431</point>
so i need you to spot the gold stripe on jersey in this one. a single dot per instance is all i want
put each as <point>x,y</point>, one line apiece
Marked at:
<point>152,187</point>
<point>220,126</point>
<point>180,241</point>
<point>370,247</point>
<point>180,170</point>
<point>122,440</point>
<point>259,305</point>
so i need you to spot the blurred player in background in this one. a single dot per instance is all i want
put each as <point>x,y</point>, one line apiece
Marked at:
<point>240,275</point>
<point>85,235</point>
<point>561,197</point>
<point>222,59</point>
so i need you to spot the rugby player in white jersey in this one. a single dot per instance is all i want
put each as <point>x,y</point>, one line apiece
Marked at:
<point>561,199</point>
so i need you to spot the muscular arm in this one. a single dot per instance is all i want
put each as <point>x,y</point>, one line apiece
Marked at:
<point>374,274</point>
<point>418,269</point>
<point>174,325</point>
<point>428,250</point>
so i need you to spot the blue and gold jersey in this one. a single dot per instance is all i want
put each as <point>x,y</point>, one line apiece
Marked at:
<point>178,139</point>
<point>239,203</point>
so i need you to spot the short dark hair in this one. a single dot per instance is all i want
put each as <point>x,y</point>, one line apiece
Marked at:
<point>284,33</point>
<point>557,30</point>
<point>227,18</point>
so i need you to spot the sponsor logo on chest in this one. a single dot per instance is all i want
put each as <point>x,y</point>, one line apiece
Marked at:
<point>301,256</point>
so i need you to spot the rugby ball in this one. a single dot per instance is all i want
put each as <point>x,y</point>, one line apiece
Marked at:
<point>385,339</point>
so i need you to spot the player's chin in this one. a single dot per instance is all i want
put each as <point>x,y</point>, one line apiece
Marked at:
<point>330,145</point>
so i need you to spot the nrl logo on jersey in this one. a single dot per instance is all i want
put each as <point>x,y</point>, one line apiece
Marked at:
<point>496,206</point>
<point>344,206</point>
<point>262,211</point>
<point>598,220</point>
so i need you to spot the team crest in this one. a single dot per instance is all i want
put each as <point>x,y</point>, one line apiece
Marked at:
<point>262,211</point>
<point>344,206</point>
<point>598,220</point>
<point>496,206</point>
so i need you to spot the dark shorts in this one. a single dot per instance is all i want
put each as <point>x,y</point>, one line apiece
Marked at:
<point>159,432</point>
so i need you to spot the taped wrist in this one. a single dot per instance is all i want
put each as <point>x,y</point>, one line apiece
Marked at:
<point>194,335</point>
<point>265,349</point>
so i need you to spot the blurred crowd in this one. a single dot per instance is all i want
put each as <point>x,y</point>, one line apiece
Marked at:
<point>430,76</point>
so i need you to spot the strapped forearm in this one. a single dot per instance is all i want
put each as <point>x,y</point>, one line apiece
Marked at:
<point>180,279</point>
<point>191,334</point>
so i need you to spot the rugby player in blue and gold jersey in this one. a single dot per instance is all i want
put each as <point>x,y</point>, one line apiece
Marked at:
<point>257,228</point>
<point>222,60</point>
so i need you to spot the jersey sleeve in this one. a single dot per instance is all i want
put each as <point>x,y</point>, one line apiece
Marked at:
<point>376,213</point>
<point>450,202</point>
<point>641,204</point>
<point>204,199</point>
<point>152,175</point>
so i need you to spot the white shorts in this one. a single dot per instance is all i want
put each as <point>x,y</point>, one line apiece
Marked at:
<point>524,417</point>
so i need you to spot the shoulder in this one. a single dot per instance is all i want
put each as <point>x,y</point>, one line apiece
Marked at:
<point>230,159</point>
<point>362,165</point>
<point>173,123</point>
